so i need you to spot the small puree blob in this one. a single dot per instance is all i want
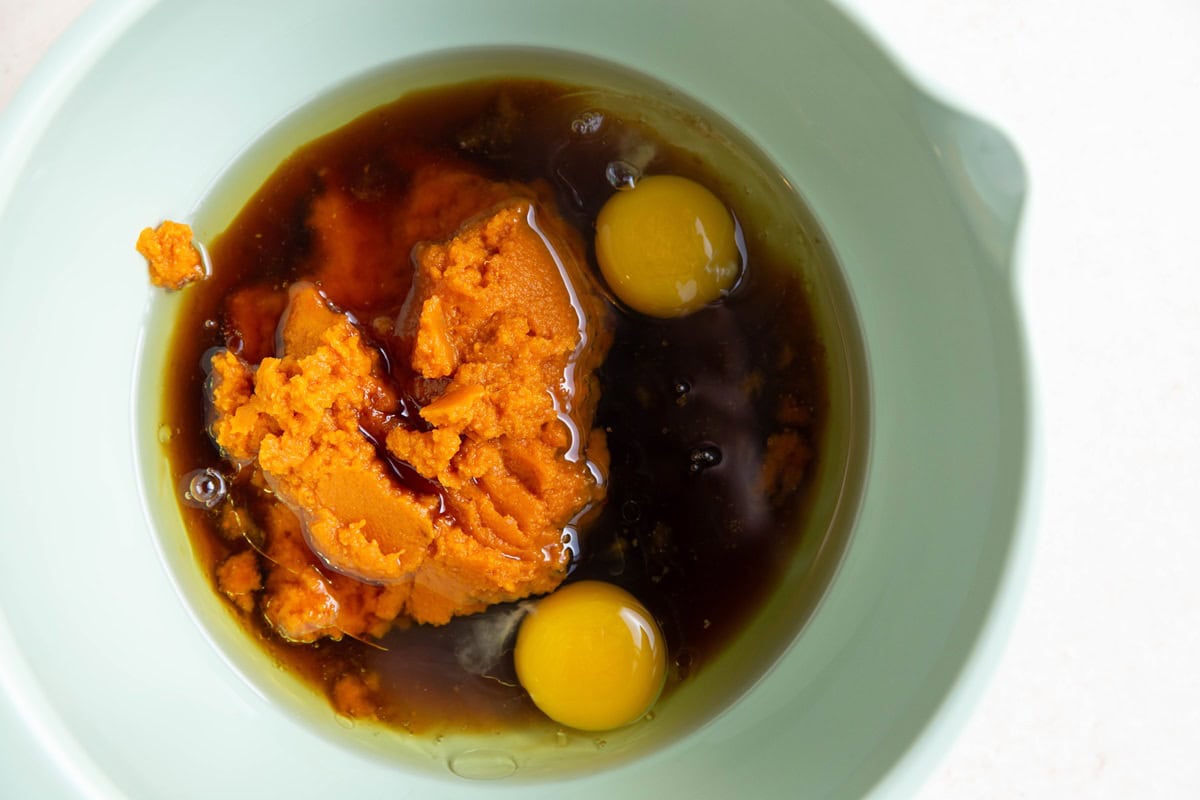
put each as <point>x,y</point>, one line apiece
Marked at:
<point>173,260</point>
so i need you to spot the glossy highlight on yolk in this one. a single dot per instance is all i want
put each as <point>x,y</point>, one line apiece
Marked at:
<point>591,656</point>
<point>667,246</point>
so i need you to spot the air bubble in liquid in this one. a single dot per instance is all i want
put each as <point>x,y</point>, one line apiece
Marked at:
<point>683,664</point>
<point>482,764</point>
<point>587,123</point>
<point>704,457</point>
<point>622,175</point>
<point>204,488</point>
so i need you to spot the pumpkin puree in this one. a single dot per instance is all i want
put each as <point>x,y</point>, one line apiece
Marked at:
<point>172,259</point>
<point>390,517</point>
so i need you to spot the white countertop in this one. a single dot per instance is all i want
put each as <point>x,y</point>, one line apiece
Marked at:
<point>1098,693</point>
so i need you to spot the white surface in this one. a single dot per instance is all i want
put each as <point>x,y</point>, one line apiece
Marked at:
<point>1098,694</point>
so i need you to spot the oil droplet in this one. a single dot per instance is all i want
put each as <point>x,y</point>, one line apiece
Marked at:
<point>344,721</point>
<point>204,488</point>
<point>601,744</point>
<point>164,434</point>
<point>561,739</point>
<point>482,764</point>
<point>622,175</point>
<point>587,123</point>
<point>649,716</point>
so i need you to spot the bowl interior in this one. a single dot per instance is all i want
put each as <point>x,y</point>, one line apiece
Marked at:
<point>782,224</point>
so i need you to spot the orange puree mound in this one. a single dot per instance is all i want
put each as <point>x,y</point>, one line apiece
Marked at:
<point>497,321</point>
<point>173,260</point>
<point>363,251</point>
<point>299,417</point>
<point>304,602</point>
<point>491,313</point>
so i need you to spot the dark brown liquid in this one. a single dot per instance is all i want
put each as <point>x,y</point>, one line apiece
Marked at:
<point>688,404</point>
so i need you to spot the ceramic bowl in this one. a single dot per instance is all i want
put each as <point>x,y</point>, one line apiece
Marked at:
<point>118,679</point>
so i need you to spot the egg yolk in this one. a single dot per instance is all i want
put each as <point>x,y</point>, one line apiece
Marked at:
<point>667,246</point>
<point>591,656</point>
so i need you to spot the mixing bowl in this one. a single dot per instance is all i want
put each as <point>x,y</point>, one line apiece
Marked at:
<point>117,684</point>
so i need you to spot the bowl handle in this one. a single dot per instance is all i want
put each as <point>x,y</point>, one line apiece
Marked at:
<point>983,169</point>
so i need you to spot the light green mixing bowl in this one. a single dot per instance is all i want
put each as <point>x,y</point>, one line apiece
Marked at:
<point>114,686</point>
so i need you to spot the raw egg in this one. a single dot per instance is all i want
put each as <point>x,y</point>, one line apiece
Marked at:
<point>591,656</point>
<point>667,246</point>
